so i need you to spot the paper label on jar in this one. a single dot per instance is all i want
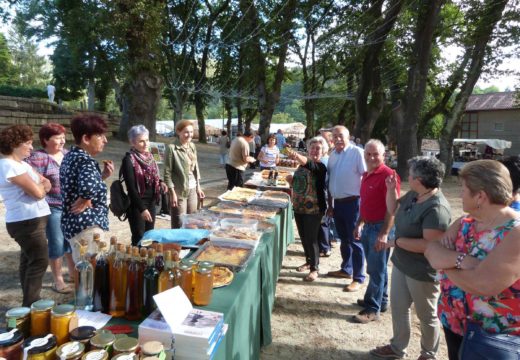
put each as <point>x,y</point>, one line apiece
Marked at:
<point>96,355</point>
<point>69,348</point>
<point>8,335</point>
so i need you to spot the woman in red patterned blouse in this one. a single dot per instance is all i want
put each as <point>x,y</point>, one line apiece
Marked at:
<point>483,268</point>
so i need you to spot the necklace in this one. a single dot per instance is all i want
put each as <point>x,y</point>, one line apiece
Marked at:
<point>488,224</point>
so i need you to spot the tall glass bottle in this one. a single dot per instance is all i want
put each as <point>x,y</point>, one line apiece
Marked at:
<point>151,277</point>
<point>167,276</point>
<point>93,249</point>
<point>159,258</point>
<point>84,287</point>
<point>118,283</point>
<point>112,251</point>
<point>133,292</point>
<point>102,280</point>
<point>128,255</point>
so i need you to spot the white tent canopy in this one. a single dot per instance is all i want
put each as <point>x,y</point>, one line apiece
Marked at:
<point>494,143</point>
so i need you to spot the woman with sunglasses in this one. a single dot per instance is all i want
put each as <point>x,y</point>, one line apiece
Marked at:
<point>422,215</point>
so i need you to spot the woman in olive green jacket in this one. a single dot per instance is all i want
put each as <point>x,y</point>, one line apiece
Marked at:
<point>181,174</point>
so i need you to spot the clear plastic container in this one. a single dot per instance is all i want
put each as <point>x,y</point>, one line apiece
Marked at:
<point>239,223</point>
<point>199,221</point>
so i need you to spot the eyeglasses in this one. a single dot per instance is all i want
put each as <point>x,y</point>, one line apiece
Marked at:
<point>409,207</point>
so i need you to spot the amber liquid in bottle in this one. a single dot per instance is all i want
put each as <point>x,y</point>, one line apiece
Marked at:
<point>101,281</point>
<point>118,284</point>
<point>159,258</point>
<point>143,263</point>
<point>150,286</point>
<point>167,276</point>
<point>133,294</point>
<point>111,256</point>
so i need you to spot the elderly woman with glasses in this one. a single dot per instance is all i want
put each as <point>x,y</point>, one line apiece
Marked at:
<point>422,215</point>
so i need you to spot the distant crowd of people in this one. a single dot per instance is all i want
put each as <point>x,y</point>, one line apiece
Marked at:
<point>451,271</point>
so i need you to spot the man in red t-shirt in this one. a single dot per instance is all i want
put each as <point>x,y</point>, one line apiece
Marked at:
<point>373,225</point>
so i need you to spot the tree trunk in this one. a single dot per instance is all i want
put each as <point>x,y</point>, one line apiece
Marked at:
<point>416,86</point>
<point>370,95</point>
<point>143,93</point>
<point>492,13</point>
<point>199,110</point>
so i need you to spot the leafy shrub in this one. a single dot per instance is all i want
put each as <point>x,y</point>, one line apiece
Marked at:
<point>24,92</point>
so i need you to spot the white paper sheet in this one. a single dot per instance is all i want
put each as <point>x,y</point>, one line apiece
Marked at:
<point>174,306</point>
<point>95,319</point>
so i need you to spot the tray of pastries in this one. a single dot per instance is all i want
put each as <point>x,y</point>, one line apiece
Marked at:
<point>233,255</point>
<point>229,208</point>
<point>259,212</point>
<point>272,198</point>
<point>239,194</point>
<point>200,220</point>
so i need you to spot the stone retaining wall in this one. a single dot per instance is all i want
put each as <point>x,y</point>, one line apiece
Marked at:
<point>35,113</point>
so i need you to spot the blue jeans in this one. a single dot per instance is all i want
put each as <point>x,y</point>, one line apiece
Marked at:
<point>345,217</point>
<point>376,294</point>
<point>56,242</point>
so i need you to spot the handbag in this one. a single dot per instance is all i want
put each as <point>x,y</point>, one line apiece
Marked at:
<point>119,200</point>
<point>479,344</point>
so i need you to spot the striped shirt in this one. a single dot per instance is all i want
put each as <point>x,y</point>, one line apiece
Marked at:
<point>49,168</point>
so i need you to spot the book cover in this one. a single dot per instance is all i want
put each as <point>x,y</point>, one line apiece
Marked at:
<point>193,353</point>
<point>154,327</point>
<point>199,325</point>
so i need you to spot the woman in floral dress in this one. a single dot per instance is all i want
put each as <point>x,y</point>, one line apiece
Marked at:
<point>484,267</point>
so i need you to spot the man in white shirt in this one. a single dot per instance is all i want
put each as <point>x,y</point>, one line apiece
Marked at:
<point>51,90</point>
<point>345,168</point>
<point>238,159</point>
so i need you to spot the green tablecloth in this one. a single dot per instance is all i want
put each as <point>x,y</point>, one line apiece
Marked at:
<point>248,302</point>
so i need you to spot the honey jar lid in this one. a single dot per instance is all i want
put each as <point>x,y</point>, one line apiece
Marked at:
<point>10,337</point>
<point>206,264</point>
<point>17,312</point>
<point>128,344</point>
<point>62,310</point>
<point>103,339</point>
<point>95,355</point>
<point>152,347</point>
<point>38,344</point>
<point>204,270</point>
<point>70,350</point>
<point>125,356</point>
<point>82,333</point>
<point>42,305</point>
<point>189,262</point>
<point>184,267</point>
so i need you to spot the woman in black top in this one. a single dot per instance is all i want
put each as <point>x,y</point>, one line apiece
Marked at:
<point>308,185</point>
<point>141,175</point>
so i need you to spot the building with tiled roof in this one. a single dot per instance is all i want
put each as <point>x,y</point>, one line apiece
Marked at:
<point>493,116</point>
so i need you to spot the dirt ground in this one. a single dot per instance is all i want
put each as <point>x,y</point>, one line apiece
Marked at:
<point>310,320</point>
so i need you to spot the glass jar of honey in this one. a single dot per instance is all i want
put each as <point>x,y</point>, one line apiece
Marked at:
<point>19,318</point>
<point>40,348</point>
<point>96,355</point>
<point>83,334</point>
<point>125,345</point>
<point>41,317</point>
<point>72,350</point>
<point>186,282</point>
<point>61,316</point>
<point>103,341</point>
<point>152,348</point>
<point>193,264</point>
<point>203,286</point>
<point>11,344</point>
